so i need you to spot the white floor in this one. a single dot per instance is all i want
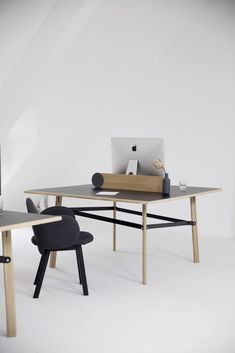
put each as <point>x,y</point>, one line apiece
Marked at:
<point>185,308</point>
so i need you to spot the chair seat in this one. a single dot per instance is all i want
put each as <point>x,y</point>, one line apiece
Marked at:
<point>84,238</point>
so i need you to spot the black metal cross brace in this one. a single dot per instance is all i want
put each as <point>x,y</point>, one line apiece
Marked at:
<point>170,222</point>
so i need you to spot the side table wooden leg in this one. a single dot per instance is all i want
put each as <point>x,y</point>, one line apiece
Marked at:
<point>193,207</point>
<point>9,285</point>
<point>58,202</point>
<point>114,228</point>
<point>144,248</point>
<point>53,259</point>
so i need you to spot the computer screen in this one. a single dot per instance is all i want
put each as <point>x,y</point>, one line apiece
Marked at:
<point>143,150</point>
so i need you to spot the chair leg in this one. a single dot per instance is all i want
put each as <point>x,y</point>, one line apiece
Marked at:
<point>41,274</point>
<point>79,269</point>
<point>38,271</point>
<point>82,269</point>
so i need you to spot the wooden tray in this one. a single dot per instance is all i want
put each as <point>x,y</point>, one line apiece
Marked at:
<point>127,182</point>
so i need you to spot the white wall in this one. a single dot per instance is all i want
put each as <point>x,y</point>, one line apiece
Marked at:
<point>75,73</point>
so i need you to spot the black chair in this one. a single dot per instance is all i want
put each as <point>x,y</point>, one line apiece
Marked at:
<point>58,236</point>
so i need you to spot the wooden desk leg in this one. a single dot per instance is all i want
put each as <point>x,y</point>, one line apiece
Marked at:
<point>193,207</point>
<point>58,202</point>
<point>114,228</point>
<point>9,285</point>
<point>144,249</point>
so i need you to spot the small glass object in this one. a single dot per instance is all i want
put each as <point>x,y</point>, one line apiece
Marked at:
<point>1,206</point>
<point>183,185</point>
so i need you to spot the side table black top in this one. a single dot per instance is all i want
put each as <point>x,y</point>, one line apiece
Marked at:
<point>89,192</point>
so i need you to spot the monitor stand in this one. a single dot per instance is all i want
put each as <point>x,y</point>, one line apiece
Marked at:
<point>132,167</point>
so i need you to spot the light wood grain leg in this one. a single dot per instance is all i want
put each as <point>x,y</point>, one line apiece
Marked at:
<point>144,249</point>
<point>114,228</point>
<point>193,207</point>
<point>9,285</point>
<point>58,202</point>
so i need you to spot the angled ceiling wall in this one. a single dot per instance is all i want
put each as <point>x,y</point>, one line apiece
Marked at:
<point>75,73</point>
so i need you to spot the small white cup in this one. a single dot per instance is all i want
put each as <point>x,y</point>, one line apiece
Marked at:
<point>1,206</point>
<point>183,185</point>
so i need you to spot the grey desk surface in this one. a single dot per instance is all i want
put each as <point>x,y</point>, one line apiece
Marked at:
<point>11,220</point>
<point>89,192</point>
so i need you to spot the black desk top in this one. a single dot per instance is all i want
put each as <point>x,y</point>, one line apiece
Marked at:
<point>89,192</point>
<point>11,220</point>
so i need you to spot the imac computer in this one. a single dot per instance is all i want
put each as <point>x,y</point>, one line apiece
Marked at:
<point>132,155</point>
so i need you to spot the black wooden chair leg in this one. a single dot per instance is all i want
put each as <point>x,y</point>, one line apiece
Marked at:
<point>41,274</point>
<point>79,269</point>
<point>38,271</point>
<point>82,269</point>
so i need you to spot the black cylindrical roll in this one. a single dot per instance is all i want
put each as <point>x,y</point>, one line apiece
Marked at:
<point>97,180</point>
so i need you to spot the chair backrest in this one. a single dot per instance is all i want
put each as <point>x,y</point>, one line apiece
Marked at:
<point>31,206</point>
<point>58,210</point>
<point>57,235</point>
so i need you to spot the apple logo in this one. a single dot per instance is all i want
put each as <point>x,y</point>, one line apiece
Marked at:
<point>134,148</point>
